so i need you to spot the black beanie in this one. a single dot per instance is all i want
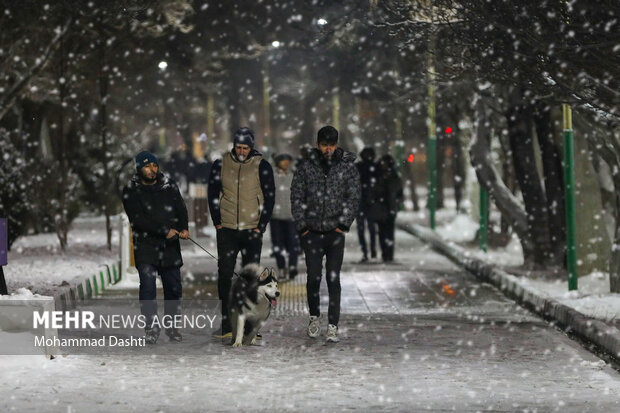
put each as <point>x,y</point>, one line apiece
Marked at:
<point>244,136</point>
<point>144,158</point>
<point>327,134</point>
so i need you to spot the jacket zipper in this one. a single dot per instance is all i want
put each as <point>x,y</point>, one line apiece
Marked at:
<point>323,209</point>
<point>238,189</point>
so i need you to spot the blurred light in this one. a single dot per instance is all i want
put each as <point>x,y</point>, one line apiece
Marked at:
<point>321,22</point>
<point>448,130</point>
<point>162,65</point>
<point>410,158</point>
<point>447,289</point>
<point>275,43</point>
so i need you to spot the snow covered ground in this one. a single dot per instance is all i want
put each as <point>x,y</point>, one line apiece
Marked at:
<point>418,335</point>
<point>592,297</point>
<point>36,262</point>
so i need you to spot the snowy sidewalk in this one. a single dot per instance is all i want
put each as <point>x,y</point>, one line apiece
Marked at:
<point>419,335</point>
<point>539,296</point>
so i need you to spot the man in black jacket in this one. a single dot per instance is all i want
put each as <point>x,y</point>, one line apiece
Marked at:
<point>325,198</point>
<point>158,218</point>
<point>367,170</point>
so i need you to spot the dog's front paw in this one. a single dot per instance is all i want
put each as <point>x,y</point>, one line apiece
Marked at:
<point>237,344</point>
<point>253,342</point>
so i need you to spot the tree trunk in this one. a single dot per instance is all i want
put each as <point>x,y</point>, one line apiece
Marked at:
<point>607,148</point>
<point>508,177</point>
<point>441,167</point>
<point>519,119</point>
<point>412,187</point>
<point>458,168</point>
<point>61,219</point>
<point>554,184</point>
<point>103,128</point>
<point>489,178</point>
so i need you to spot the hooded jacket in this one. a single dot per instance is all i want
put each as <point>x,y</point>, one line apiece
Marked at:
<point>326,196</point>
<point>241,193</point>
<point>153,210</point>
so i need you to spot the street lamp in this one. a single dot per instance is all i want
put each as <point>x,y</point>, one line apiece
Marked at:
<point>321,22</point>
<point>276,44</point>
<point>163,65</point>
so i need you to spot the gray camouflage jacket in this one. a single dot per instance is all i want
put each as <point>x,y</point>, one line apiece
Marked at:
<point>323,199</point>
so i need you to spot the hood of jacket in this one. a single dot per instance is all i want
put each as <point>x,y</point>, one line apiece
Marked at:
<point>253,153</point>
<point>162,183</point>
<point>340,155</point>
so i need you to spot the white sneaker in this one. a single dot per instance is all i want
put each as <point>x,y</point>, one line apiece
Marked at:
<point>283,274</point>
<point>314,327</point>
<point>332,334</point>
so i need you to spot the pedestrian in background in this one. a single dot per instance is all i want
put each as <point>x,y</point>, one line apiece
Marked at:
<point>325,198</point>
<point>158,218</point>
<point>367,169</point>
<point>283,233</point>
<point>241,197</point>
<point>387,196</point>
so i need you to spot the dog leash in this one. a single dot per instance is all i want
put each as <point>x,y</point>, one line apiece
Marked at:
<point>202,248</point>
<point>211,255</point>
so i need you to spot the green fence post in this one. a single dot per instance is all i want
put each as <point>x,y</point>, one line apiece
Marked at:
<point>484,219</point>
<point>569,185</point>
<point>115,274</point>
<point>95,287</point>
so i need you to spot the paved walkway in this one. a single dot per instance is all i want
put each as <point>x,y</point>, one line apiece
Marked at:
<point>421,335</point>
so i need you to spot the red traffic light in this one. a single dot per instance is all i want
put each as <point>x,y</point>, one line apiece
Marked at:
<point>448,130</point>
<point>410,158</point>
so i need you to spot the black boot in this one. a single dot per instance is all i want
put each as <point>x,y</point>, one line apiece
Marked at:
<point>292,272</point>
<point>151,335</point>
<point>174,335</point>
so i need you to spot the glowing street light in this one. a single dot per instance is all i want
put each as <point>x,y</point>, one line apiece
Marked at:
<point>276,44</point>
<point>321,22</point>
<point>162,65</point>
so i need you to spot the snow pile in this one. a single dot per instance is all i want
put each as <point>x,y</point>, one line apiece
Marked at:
<point>509,256</point>
<point>20,294</point>
<point>461,229</point>
<point>592,297</point>
<point>36,262</point>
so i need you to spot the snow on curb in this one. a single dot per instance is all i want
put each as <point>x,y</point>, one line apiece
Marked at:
<point>91,286</point>
<point>605,336</point>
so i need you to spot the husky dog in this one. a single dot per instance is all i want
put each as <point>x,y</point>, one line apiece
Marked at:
<point>252,295</point>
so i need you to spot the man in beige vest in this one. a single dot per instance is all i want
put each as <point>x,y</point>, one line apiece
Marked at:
<point>241,197</point>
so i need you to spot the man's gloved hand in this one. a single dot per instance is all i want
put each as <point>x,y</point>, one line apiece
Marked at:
<point>184,234</point>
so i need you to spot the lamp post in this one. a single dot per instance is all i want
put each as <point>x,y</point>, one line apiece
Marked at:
<point>432,137</point>
<point>569,185</point>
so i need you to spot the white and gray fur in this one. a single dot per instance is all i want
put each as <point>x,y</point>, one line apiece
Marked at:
<point>250,302</point>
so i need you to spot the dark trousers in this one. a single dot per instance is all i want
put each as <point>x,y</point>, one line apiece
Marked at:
<point>331,246</point>
<point>171,281</point>
<point>229,243</point>
<point>362,221</point>
<point>284,238</point>
<point>386,238</point>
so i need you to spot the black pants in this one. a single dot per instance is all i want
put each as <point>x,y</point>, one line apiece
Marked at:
<point>331,246</point>
<point>229,243</point>
<point>362,221</point>
<point>386,239</point>
<point>284,238</point>
<point>171,281</point>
